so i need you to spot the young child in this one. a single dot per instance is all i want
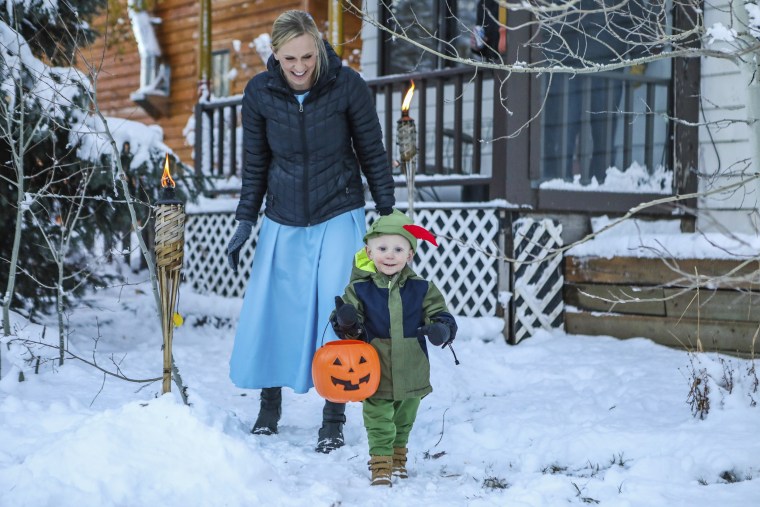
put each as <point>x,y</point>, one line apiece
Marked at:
<point>394,309</point>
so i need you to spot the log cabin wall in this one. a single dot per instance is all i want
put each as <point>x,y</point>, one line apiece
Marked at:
<point>116,61</point>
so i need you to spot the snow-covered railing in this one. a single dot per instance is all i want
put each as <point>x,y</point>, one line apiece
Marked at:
<point>465,266</point>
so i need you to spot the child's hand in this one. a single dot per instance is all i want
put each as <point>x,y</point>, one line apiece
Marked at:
<point>346,316</point>
<point>346,320</point>
<point>437,333</point>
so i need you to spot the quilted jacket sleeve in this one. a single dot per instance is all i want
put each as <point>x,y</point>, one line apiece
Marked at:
<point>367,139</point>
<point>257,157</point>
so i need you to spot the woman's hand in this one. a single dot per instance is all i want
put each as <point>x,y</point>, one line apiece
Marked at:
<point>241,235</point>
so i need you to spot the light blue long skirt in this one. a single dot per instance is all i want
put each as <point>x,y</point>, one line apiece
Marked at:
<point>296,274</point>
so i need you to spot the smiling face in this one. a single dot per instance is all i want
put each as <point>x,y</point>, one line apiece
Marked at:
<point>389,252</point>
<point>298,60</point>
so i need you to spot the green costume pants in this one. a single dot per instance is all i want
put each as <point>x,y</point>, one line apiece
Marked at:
<point>388,423</point>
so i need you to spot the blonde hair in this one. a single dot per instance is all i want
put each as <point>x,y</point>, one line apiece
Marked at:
<point>292,24</point>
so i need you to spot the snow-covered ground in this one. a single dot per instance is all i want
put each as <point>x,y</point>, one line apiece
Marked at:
<point>555,420</point>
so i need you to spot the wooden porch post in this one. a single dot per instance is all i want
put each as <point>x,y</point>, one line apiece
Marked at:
<point>204,49</point>
<point>335,25</point>
<point>685,103</point>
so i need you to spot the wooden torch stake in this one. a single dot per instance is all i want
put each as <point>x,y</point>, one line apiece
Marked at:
<point>170,231</point>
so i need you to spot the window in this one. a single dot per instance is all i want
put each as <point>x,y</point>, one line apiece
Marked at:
<point>593,122</point>
<point>444,26</point>
<point>220,73</point>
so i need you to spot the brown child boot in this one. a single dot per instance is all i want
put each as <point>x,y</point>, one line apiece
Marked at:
<point>399,463</point>
<point>381,470</point>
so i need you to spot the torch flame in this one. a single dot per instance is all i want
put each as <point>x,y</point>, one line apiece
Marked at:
<point>166,178</point>
<point>407,100</point>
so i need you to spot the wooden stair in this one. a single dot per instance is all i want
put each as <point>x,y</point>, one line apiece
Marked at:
<point>694,304</point>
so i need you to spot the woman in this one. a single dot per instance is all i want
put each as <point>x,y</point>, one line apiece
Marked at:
<point>309,127</point>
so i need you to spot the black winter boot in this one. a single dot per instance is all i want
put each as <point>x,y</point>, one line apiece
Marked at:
<point>330,435</point>
<point>270,411</point>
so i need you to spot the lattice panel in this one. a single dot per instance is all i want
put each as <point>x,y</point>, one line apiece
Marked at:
<point>464,269</point>
<point>206,268</point>
<point>537,284</point>
<point>464,265</point>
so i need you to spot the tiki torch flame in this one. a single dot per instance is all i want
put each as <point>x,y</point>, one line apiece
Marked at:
<point>407,102</point>
<point>166,178</point>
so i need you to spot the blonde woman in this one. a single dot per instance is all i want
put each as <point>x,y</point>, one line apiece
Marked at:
<point>310,130</point>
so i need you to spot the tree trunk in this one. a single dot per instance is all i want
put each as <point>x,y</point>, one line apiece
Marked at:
<point>19,162</point>
<point>59,310</point>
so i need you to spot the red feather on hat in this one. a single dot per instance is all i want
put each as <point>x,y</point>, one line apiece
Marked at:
<point>421,233</point>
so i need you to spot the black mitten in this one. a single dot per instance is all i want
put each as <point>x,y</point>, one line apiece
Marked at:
<point>437,333</point>
<point>346,316</point>
<point>345,320</point>
<point>448,320</point>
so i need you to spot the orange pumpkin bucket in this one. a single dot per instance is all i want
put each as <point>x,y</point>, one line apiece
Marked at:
<point>346,370</point>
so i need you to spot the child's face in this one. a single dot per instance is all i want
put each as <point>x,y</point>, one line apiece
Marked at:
<point>389,252</point>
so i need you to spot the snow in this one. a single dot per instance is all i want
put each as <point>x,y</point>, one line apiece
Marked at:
<point>54,87</point>
<point>142,139</point>
<point>719,32</point>
<point>263,46</point>
<point>145,34</point>
<point>662,238</point>
<point>557,419</point>
<point>635,179</point>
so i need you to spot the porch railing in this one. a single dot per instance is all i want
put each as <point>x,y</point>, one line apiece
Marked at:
<point>453,110</point>
<point>459,114</point>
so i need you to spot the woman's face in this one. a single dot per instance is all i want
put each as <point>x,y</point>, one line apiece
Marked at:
<point>298,58</point>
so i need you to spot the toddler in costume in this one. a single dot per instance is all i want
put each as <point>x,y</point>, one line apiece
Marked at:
<point>388,305</point>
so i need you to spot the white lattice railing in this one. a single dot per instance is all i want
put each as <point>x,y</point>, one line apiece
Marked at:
<point>537,283</point>
<point>464,266</point>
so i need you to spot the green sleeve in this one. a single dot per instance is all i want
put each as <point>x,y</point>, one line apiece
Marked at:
<point>434,303</point>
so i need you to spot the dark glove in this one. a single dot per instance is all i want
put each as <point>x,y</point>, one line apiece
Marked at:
<point>384,211</point>
<point>345,321</point>
<point>437,333</point>
<point>242,234</point>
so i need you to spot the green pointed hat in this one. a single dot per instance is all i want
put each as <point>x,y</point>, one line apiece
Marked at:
<point>398,223</point>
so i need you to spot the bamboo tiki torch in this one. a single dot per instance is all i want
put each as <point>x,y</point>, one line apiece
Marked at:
<point>406,138</point>
<point>170,239</point>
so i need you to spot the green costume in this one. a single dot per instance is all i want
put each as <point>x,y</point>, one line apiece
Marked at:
<point>390,310</point>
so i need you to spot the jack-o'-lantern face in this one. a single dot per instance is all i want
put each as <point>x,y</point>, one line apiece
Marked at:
<point>346,370</point>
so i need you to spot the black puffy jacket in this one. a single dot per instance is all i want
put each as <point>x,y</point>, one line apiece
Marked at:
<point>307,158</point>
